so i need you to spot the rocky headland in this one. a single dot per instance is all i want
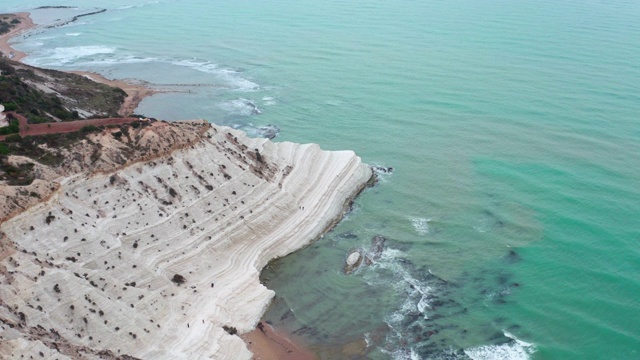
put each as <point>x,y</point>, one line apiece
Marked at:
<point>149,245</point>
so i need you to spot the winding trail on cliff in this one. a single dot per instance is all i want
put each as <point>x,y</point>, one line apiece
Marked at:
<point>27,129</point>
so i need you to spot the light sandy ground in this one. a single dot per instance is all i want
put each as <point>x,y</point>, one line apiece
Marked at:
<point>97,278</point>
<point>266,343</point>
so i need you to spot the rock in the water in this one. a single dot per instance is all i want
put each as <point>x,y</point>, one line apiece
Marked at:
<point>353,261</point>
<point>269,131</point>
<point>382,169</point>
<point>347,235</point>
<point>377,246</point>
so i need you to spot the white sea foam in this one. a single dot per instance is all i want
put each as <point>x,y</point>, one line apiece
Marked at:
<point>497,294</point>
<point>268,101</point>
<point>127,7</point>
<point>241,106</point>
<point>76,23</point>
<point>403,354</point>
<point>116,61</point>
<point>85,56</point>
<point>383,172</point>
<point>513,350</point>
<point>421,225</point>
<point>74,34</point>
<point>229,77</point>
<point>65,55</point>
<point>417,292</point>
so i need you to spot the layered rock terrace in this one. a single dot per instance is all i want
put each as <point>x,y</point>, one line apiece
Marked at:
<point>159,257</point>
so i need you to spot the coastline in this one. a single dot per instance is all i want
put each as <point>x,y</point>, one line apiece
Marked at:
<point>267,342</point>
<point>25,24</point>
<point>135,92</point>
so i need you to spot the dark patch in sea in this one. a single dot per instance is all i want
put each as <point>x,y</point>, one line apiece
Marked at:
<point>347,235</point>
<point>512,257</point>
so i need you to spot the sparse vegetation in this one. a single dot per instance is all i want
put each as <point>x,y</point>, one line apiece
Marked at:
<point>6,25</point>
<point>178,279</point>
<point>230,329</point>
<point>31,147</point>
<point>89,128</point>
<point>18,94</point>
<point>13,128</point>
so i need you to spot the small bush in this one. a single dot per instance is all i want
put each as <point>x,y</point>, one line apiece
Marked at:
<point>89,128</point>
<point>13,128</point>
<point>178,279</point>
<point>230,329</point>
<point>16,138</point>
<point>10,106</point>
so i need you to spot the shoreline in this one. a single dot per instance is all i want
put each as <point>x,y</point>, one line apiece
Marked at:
<point>25,24</point>
<point>268,343</point>
<point>264,342</point>
<point>135,92</point>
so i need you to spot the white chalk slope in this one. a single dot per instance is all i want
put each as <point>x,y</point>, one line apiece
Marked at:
<point>98,277</point>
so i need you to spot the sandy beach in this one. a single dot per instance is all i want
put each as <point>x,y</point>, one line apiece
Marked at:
<point>25,24</point>
<point>135,92</point>
<point>267,343</point>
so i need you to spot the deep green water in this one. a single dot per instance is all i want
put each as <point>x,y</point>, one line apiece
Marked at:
<point>513,128</point>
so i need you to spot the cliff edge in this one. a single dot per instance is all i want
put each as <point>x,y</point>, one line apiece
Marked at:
<point>159,257</point>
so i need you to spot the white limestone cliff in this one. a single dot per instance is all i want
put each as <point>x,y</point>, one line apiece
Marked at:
<point>96,269</point>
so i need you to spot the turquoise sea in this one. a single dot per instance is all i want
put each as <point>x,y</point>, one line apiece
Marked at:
<point>513,127</point>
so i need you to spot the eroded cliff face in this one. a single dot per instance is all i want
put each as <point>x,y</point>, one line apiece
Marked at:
<point>104,151</point>
<point>153,258</point>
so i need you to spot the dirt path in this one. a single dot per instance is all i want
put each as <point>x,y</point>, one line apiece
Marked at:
<point>62,127</point>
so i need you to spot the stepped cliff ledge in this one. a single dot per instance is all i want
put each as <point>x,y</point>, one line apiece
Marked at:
<point>147,241</point>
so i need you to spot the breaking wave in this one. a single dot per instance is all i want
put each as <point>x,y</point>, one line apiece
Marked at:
<point>421,225</point>
<point>514,349</point>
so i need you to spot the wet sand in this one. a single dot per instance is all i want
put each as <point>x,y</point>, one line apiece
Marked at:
<point>266,343</point>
